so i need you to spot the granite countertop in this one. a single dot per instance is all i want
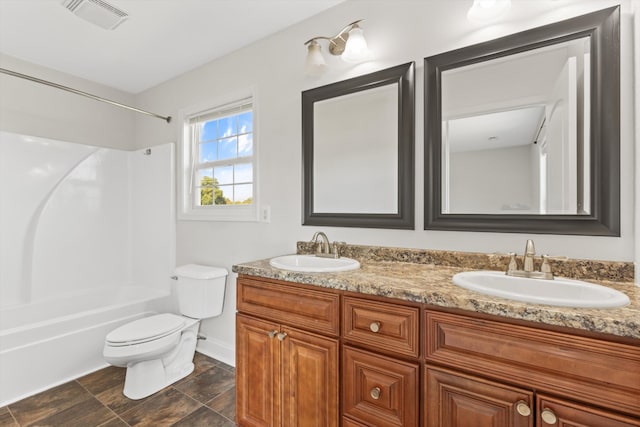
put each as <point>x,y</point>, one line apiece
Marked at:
<point>432,284</point>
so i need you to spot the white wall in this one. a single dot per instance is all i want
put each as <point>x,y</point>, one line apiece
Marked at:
<point>398,31</point>
<point>30,108</point>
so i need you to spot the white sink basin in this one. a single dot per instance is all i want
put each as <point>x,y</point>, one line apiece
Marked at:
<point>559,291</point>
<point>312,263</point>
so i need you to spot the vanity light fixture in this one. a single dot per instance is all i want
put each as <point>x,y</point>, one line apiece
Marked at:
<point>487,10</point>
<point>349,44</point>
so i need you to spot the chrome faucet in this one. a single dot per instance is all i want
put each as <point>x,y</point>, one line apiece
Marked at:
<point>529,253</point>
<point>527,265</point>
<point>322,245</point>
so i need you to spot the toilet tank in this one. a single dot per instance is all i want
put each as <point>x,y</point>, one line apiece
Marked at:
<point>200,290</point>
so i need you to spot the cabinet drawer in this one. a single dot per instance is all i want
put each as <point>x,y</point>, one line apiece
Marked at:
<point>311,309</point>
<point>378,390</point>
<point>581,368</point>
<point>382,326</point>
<point>550,409</point>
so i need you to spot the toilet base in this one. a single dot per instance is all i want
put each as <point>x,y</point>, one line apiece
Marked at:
<point>150,376</point>
<point>146,378</point>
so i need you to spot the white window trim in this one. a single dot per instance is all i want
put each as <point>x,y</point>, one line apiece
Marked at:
<point>186,210</point>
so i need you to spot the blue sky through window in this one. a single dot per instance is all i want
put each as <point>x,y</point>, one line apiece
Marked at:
<point>222,144</point>
<point>208,152</point>
<point>209,131</point>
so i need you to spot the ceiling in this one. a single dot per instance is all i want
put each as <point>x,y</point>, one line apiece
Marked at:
<point>160,40</point>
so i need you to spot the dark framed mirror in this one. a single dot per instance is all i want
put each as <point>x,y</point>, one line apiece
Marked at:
<point>522,133</point>
<point>358,151</point>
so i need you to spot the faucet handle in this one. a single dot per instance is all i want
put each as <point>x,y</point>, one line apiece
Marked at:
<point>546,267</point>
<point>335,248</point>
<point>513,264</point>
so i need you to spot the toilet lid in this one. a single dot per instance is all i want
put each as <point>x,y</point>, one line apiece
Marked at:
<point>146,329</point>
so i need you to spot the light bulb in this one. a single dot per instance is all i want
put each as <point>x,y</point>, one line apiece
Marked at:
<point>356,49</point>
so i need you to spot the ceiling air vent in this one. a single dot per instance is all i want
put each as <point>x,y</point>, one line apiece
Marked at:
<point>97,12</point>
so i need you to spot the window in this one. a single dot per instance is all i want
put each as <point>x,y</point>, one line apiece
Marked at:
<point>219,162</point>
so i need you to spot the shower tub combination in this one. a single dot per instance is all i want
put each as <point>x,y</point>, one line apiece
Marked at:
<point>87,241</point>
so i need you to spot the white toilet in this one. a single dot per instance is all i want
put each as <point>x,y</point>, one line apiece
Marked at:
<point>158,350</point>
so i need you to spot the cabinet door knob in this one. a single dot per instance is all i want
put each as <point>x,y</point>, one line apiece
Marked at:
<point>375,393</point>
<point>272,333</point>
<point>523,408</point>
<point>282,335</point>
<point>548,416</point>
<point>374,326</point>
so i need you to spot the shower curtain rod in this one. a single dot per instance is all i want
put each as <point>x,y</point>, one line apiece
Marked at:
<point>79,92</point>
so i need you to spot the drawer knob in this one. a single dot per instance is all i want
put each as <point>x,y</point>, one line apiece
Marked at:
<point>523,408</point>
<point>282,336</point>
<point>548,416</point>
<point>374,326</point>
<point>272,333</point>
<point>375,393</point>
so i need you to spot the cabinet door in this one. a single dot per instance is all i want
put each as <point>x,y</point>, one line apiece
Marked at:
<point>257,372</point>
<point>379,391</point>
<point>555,412</point>
<point>309,379</point>
<point>456,400</point>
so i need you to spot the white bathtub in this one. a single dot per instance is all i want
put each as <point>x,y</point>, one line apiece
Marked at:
<point>50,342</point>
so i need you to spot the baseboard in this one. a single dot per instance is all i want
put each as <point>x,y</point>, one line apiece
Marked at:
<point>218,350</point>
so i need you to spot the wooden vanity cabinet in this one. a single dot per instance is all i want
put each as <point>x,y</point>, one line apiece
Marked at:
<point>503,374</point>
<point>309,356</point>
<point>380,365</point>
<point>287,355</point>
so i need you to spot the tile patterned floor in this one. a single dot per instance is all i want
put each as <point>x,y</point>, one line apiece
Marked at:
<point>204,398</point>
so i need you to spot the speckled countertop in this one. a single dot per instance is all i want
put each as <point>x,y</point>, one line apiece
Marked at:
<point>432,284</point>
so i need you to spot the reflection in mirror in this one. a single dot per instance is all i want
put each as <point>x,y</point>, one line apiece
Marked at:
<point>355,163</point>
<point>522,133</point>
<point>357,149</point>
<point>522,118</point>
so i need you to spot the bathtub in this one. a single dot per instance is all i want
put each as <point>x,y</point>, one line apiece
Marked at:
<point>49,342</point>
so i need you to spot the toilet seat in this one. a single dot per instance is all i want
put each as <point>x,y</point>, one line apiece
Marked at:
<point>146,329</point>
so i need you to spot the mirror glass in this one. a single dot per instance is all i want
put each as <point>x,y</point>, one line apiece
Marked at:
<point>357,148</point>
<point>517,124</point>
<point>355,163</point>
<point>522,133</point>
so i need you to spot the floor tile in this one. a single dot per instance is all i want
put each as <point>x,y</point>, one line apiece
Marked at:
<point>162,409</point>
<point>225,404</point>
<point>114,422</point>
<point>88,413</point>
<point>47,403</point>
<point>208,384</point>
<point>6,419</point>
<point>203,363</point>
<point>225,366</point>
<point>204,417</point>
<point>96,400</point>
<point>115,400</point>
<point>103,379</point>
